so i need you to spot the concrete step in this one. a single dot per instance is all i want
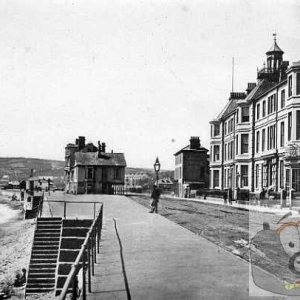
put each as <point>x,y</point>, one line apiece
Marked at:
<point>44,253</point>
<point>45,247</point>
<point>41,275</point>
<point>47,238</point>
<point>42,266</point>
<point>40,285</point>
<point>44,219</point>
<point>45,271</point>
<point>47,233</point>
<point>44,256</point>
<point>38,290</point>
<point>43,261</point>
<point>45,242</point>
<point>39,281</point>
<point>48,226</point>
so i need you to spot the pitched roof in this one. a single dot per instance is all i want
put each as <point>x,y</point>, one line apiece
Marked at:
<point>235,98</point>
<point>106,159</point>
<point>230,108</point>
<point>262,87</point>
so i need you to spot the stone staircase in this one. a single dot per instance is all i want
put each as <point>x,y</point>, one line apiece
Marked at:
<point>43,262</point>
<point>73,235</point>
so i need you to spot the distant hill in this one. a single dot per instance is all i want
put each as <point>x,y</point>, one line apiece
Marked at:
<point>18,168</point>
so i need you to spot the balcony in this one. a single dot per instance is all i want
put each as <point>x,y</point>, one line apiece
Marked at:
<point>265,72</point>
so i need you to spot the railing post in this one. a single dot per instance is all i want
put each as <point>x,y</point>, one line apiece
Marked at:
<point>84,274</point>
<point>92,249</point>
<point>98,233</point>
<point>89,267</point>
<point>65,209</point>
<point>95,243</point>
<point>74,289</point>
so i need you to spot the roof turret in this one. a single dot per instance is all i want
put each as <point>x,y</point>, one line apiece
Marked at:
<point>275,48</point>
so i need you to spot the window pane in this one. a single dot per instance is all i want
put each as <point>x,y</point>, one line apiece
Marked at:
<point>244,143</point>
<point>245,114</point>
<point>289,126</point>
<point>244,175</point>
<point>282,98</point>
<point>290,86</point>
<point>298,125</point>
<point>298,84</point>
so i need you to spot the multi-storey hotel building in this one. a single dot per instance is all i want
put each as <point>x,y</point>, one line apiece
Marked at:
<point>255,140</point>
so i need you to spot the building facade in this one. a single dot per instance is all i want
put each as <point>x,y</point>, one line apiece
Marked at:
<point>191,168</point>
<point>89,169</point>
<point>255,140</point>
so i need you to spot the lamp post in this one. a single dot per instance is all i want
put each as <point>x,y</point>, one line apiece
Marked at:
<point>156,169</point>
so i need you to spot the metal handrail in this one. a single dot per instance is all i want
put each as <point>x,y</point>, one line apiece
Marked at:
<point>67,202</point>
<point>89,246</point>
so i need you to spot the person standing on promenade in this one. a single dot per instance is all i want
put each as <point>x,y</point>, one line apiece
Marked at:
<point>155,196</point>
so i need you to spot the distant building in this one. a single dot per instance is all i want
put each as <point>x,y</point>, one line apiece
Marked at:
<point>39,183</point>
<point>90,169</point>
<point>136,179</point>
<point>4,181</point>
<point>165,185</point>
<point>191,167</point>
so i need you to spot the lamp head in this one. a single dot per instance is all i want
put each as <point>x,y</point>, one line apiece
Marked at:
<point>156,165</point>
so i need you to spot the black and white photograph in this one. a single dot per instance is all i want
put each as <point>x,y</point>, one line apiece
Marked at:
<point>149,149</point>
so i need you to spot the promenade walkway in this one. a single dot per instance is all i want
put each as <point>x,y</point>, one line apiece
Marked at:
<point>161,260</point>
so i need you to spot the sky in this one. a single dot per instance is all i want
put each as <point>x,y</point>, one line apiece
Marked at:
<point>142,76</point>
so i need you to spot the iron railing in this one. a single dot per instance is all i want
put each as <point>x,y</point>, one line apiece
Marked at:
<point>66,202</point>
<point>85,260</point>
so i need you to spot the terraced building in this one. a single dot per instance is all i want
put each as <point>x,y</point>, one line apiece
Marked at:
<point>255,139</point>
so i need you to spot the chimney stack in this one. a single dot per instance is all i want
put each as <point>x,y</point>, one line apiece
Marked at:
<point>250,87</point>
<point>99,149</point>
<point>103,147</point>
<point>195,143</point>
<point>81,142</point>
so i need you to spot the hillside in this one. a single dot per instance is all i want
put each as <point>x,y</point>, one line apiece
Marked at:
<point>18,168</point>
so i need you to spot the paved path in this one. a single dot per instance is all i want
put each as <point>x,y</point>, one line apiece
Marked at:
<point>162,260</point>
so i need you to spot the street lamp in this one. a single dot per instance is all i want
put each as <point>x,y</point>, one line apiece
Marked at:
<point>156,169</point>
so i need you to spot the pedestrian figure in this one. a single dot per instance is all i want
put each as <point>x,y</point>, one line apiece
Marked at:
<point>20,279</point>
<point>230,196</point>
<point>155,196</point>
<point>225,197</point>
